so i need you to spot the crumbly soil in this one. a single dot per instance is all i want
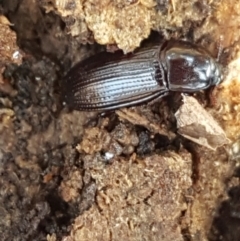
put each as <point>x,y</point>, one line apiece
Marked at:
<point>123,175</point>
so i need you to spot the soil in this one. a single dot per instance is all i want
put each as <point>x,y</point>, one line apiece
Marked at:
<point>122,175</point>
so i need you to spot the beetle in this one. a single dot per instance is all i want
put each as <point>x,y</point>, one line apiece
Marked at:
<point>108,81</point>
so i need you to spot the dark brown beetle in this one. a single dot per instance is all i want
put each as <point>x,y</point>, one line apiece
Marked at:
<point>108,81</point>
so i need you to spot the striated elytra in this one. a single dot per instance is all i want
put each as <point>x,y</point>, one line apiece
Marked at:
<point>108,81</point>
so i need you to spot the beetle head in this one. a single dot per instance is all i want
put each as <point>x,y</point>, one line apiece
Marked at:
<point>188,68</point>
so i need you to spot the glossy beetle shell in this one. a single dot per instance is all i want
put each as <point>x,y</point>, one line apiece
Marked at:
<point>109,81</point>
